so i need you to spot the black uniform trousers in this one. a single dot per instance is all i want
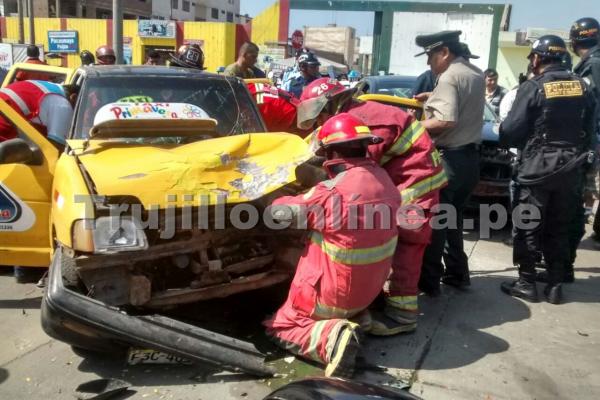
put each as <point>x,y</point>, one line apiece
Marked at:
<point>462,169</point>
<point>556,199</point>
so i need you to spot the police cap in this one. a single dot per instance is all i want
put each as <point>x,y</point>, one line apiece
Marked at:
<point>437,40</point>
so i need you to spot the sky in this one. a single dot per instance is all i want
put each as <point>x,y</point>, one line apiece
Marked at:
<point>551,14</point>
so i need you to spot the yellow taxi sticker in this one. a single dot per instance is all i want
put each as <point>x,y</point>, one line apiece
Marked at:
<point>563,89</point>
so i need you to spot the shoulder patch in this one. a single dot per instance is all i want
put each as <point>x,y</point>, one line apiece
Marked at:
<point>563,89</point>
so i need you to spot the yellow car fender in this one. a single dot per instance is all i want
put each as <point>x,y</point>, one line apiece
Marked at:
<point>66,207</point>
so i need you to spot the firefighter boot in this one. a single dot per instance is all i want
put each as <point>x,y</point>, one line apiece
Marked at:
<point>524,287</point>
<point>343,357</point>
<point>399,316</point>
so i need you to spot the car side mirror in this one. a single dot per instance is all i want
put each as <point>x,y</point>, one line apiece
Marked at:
<point>18,151</point>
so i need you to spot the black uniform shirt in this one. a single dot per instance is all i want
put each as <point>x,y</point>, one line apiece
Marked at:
<point>589,69</point>
<point>518,126</point>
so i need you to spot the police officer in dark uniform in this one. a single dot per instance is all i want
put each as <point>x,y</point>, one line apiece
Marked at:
<point>549,123</point>
<point>585,42</point>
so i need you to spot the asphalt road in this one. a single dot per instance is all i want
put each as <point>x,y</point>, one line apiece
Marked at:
<point>478,344</point>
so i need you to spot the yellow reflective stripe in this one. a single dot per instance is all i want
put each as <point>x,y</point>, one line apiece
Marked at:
<point>363,129</point>
<point>325,311</point>
<point>404,142</point>
<point>315,338</point>
<point>259,98</point>
<point>421,188</point>
<point>334,136</point>
<point>363,256</point>
<point>403,302</point>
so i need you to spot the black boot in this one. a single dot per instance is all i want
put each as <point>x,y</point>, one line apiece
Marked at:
<point>553,292</point>
<point>569,276</point>
<point>521,288</point>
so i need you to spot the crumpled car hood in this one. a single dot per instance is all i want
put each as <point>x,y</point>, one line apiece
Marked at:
<point>242,168</point>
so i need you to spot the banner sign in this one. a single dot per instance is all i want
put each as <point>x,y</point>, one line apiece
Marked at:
<point>63,42</point>
<point>6,56</point>
<point>156,28</point>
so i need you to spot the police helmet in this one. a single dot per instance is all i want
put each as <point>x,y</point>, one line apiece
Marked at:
<point>585,31</point>
<point>87,58</point>
<point>549,47</point>
<point>308,59</point>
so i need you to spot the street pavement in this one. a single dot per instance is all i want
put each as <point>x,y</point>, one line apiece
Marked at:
<point>477,344</point>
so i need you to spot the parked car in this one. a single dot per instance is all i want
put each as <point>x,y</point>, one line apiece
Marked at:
<point>496,162</point>
<point>135,215</point>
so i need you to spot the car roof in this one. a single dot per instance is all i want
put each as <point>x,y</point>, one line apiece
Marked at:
<point>146,70</point>
<point>392,78</point>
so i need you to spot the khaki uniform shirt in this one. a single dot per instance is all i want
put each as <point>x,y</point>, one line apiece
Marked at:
<point>235,70</point>
<point>459,96</point>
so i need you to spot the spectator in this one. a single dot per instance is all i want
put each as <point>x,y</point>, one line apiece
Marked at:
<point>33,57</point>
<point>493,92</point>
<point>153,58</point>
<point>454,112</point>
<point>243,67</point>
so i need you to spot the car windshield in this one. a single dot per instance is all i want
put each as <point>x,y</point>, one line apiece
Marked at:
<point>398,88</point>
<point>227,101</point>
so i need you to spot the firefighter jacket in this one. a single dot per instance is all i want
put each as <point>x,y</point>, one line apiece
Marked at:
<point>407,152</point>
<point>277,107</point>
<point>349,253</point>
<point>25,97</point>
<point>551,123</point>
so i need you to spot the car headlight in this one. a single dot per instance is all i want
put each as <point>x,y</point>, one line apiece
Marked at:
<point>110,234</point>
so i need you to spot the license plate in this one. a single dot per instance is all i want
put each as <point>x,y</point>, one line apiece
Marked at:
<point>146,356</point>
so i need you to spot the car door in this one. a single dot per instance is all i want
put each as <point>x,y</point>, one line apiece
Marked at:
<point>26,174</point>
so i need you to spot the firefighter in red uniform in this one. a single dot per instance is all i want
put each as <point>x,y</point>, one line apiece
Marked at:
<point>349,254</point>
<point>47,106</point>
<point>411,160</point>
<point>277,107</point>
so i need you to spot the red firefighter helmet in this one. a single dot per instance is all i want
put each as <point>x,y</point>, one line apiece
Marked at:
<point>322,87</point>
<point>317,95</point>
<point>105,55</point>
<point>345,128</point>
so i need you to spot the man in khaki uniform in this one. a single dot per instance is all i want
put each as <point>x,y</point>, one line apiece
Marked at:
<point>247,57</point>
<point>454,112</point>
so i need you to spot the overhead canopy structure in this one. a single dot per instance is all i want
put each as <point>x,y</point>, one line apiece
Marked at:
<point>396,25</point>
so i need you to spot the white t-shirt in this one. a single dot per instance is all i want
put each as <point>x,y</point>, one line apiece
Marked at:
<point>55,114</point>
<point>507,103</point>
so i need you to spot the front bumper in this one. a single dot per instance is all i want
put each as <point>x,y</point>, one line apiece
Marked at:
<point>85,322</point>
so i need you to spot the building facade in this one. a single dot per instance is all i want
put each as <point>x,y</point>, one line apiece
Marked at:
<point>98,9</point>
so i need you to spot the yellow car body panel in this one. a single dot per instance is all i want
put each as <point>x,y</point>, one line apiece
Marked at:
<point>50,69</point>
<point>68,183</point>
<point>241,167</point>
<point>31,187</point>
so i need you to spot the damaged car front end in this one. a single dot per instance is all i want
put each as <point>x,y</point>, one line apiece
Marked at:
<point>159,201</point>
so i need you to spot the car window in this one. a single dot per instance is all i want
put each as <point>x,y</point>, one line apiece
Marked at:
<point>26,74</point>
<point>227,101</point>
